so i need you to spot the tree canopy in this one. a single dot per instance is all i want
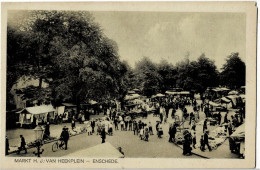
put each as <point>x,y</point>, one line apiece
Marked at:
<point>233,72</point>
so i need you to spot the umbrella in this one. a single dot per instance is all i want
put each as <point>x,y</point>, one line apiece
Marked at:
<point>160,95</point>
<point>233,92</point>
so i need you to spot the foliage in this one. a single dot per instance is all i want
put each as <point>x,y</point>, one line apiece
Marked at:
<point>233,72</point>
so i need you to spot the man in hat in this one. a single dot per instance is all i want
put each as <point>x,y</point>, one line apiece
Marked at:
<point>23,143</point>
<point>65,136</point>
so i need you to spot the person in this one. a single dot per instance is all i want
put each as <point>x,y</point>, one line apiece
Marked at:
<point>194,142</point>
<point>202,145</point>
<point>186,144</point>
<point>229,128</point>
<point>47,131</point>
<point>174,130</point>
<point>219,118</point>
<point>205,127</point>
<point>22,146</point>
<point>7,148</point>
<point>93,124</point>
<point>150,128</point>
<point>122,125</point>
<point>191,117</point>
<point>73,123</point>
<point>116,123</point>
<point>170,132</point>
<point>126,125</point>
<point>130,125</point>
<point>161,117</point>
<point>206,140</point>
<point>146,134</point>
<point>65,136</point>
<point>225,118</point>
<point>135,127</point>
<point>160,130</point>
<point>89,130</point>
<point>110,129</point>
<point>103,135</point>
<point>141,135</point>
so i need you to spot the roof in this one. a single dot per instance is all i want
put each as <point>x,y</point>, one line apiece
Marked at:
<point>105,150</point>
<point>69,104</point>
<point>38,109</point>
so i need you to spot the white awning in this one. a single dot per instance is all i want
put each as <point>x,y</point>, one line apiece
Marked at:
<point>105,150</point>
<point>38,109</point>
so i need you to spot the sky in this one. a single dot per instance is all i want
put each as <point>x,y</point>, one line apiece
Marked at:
<point>172,36</point>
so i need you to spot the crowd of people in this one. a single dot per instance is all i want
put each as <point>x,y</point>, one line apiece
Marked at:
<point>121,121</point>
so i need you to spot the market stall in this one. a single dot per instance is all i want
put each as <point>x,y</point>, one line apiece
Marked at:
<point>237,141</point>
<point>32,116</point>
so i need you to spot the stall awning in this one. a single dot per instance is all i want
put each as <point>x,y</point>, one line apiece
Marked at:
<point>160,95</point>
<point>38,109</point>
<point>69,104</point>
<point>239,133</point>
<point>105,150</point>
<point>225,100</point>
<point>214,104</point>
<point>177,92</point>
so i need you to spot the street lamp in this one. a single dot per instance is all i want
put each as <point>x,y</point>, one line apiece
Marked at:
<point>38,135</point>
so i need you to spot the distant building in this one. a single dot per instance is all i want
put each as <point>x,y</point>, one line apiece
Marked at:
<point>17,88</point>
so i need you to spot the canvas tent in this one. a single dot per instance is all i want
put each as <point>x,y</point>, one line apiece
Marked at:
<point>37,113</point>
<point>105,150</point>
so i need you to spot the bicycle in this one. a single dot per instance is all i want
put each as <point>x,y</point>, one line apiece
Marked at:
<point>58,144</point>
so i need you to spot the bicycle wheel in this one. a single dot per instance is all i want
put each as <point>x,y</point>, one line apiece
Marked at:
<point>62,145</point>
<point>55,147</point>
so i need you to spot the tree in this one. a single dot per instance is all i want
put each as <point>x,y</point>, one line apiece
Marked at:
<point>168,75</point>
<point>197,75</point>
<point>233,71</point>
<point>148,79</point>
<point>74,56</point>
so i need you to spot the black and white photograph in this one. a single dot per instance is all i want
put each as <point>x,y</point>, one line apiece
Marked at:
<point>126,84</point>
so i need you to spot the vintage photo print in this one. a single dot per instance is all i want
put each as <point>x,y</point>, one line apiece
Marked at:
<point>128,85</point>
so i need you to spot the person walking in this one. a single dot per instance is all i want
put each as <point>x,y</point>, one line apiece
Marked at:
<point>122,123</point>
<point>116,123</point>
<point>170,132</point>
<point>65,136</point>
<point>103,135</point>
<point>160,130</point>
<point>146,134</point>
<point>150,128</point>
<point>22,146</point>
<point>205,127</point>
<point>93,124</point>
<point>130,125</point>
<point>202,145</point>
<point>206,140</point>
